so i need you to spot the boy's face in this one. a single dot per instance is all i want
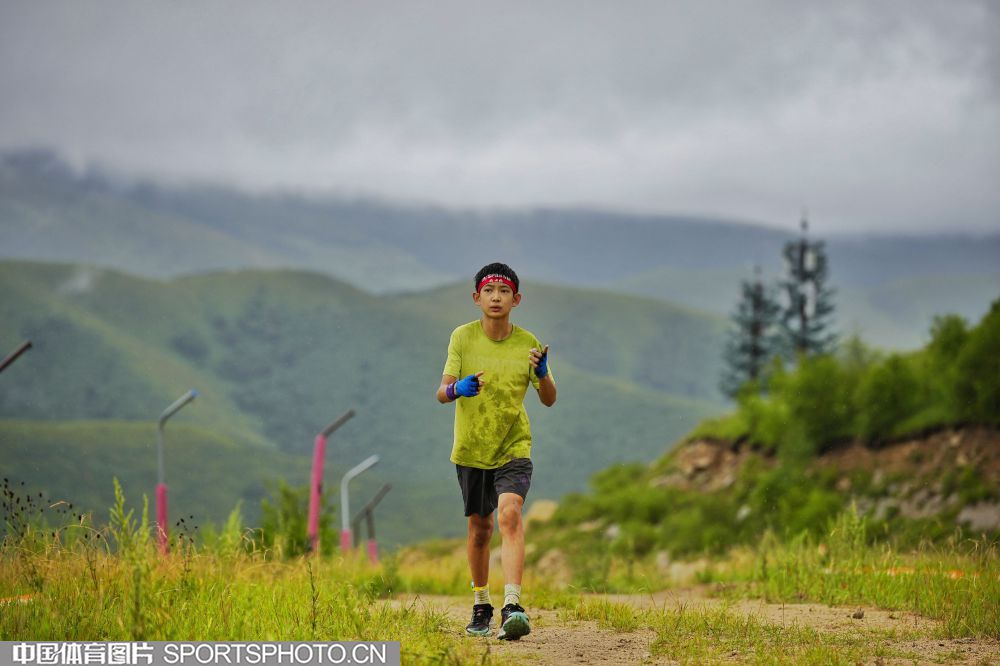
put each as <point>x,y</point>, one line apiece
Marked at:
<point>496,300</point>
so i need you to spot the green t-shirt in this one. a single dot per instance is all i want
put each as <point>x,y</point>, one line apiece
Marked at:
<point>492,428</point>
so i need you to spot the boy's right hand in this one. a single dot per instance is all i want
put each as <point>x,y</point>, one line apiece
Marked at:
<point>468,387</point>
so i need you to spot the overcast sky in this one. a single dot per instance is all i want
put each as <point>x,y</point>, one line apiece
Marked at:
<point>875,115</point>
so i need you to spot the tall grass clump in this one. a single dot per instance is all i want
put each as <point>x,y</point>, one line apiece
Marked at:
<point>112,584</point>
<point>957,581</point>
<point>720,634</point>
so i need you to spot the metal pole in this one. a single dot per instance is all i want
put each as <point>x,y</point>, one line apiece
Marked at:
<point>368,513</point>
<point>161,486</point>
<point>373,502</point>
<point>345,512</point>
<point>316,480</point>
<point>25,346</point>
<point>356,530</point>
<point>372,544</point>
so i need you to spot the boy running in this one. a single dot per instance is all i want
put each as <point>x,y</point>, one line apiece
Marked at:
<point>496,361</point>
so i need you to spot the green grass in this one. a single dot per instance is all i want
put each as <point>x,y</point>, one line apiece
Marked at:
<point>714,634</point>
<point>956,582</point>
<point>81,592</point>
<point>90,595</point>
<point>696,635</point>
<point>608,615</point>
<point>110,584</point>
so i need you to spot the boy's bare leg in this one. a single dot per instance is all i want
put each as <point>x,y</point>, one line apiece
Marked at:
<point>512,533</point>
<point>477,547</point>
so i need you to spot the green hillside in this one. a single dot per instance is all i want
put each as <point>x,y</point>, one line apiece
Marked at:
<point>910,441</point>
<point>77,461</point>
<point>85,365</point>
<point>278,354</point>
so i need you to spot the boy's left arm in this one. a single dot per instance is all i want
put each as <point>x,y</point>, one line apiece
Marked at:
<point>539,360</point>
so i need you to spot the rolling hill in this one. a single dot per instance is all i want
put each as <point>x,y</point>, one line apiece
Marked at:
<point>278,354</point>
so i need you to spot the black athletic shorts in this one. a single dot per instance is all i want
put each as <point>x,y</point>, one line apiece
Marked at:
<point>481,488</point>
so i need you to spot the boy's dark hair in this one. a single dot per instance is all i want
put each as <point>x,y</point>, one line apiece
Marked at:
<point>497,268</point>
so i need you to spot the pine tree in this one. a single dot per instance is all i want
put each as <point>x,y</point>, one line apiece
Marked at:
<point>808,314</point>
<point>753,336</point>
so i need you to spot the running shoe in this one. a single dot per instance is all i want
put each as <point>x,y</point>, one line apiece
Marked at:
<point>513,623</point>
<point>482,615</point>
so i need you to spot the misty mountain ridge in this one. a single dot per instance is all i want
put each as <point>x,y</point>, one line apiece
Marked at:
<point>888,286</point>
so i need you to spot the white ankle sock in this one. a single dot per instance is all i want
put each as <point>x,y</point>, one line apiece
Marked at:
<point>482,594</point>
<point>511,594</point>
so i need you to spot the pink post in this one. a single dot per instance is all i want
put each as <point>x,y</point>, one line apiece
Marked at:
<point>315,490</point>
<point>345,540</point>
<point>161,517</point>
<point>373,551</point>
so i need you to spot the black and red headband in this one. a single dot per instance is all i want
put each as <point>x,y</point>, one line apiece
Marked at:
<point>496,277</point>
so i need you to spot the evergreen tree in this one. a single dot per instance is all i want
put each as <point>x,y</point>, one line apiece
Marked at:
<point>807,318</point>
<point>753,336</point>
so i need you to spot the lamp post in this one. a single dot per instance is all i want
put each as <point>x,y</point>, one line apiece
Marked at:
<point>161,486</point>
<point>316,481</point>
<point>368,513</point>
<point>345,512</point>
<point>25,346</point>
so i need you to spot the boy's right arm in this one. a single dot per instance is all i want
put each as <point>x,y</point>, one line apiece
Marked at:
<point>442,394</point>
<point>450,389</point>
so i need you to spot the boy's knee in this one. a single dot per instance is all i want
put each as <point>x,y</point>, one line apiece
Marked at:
<point>510,518</point>
<point>480,532</point>
<point>481,537</point>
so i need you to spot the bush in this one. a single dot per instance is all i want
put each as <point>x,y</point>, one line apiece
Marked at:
<point>767,421</point>
<point>820,409</point>
<point>977,385</point>
<point>888,394</point>
<point>858,393</point>
<point>284,517</point>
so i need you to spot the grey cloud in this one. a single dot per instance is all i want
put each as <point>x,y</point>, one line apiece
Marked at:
<point>871,114</point>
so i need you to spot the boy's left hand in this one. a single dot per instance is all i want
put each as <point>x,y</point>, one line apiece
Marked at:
<point>539,361</point>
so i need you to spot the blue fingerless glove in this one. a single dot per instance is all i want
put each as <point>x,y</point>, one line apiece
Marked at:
<point>467,387</point>
<point>543,366</point>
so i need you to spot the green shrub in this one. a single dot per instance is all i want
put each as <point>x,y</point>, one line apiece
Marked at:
<point>574,509</point>
<point>889,393</point>
<point>731,427</point>
<point>767,421</point>
<point>860,393</point>
<point>977,385</point>
<point>949,334</point>
<point>284,520</point>
<point>818,395</point>
<point>617,476</point>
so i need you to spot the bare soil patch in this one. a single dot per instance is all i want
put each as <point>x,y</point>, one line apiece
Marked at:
<point>557,641</point>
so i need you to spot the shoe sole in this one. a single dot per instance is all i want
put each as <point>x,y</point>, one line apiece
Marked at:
<point>470,632</point>
<point>515,627</point>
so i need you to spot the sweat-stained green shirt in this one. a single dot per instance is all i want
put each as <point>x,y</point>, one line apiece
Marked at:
<point>492,428</point>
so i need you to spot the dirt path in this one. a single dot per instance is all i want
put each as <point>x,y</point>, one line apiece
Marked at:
<point>557,641</point>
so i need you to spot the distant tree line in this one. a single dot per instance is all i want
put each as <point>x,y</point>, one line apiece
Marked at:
<point>799,392</point>
<point>858,392</point>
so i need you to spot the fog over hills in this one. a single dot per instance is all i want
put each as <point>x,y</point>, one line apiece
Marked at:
<point>889,285</point>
